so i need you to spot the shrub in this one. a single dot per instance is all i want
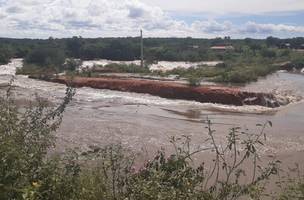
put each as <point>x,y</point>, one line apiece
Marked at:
<point>125,68</point>
<point>298,63</point>
<point>194,81</point>
<point>25,139</point>
<point>173,176</point>
<point>268,53</point>
<point>5,55</point>
<point>46,57</point>
<point>28,172</point>
<point>45,62</point>
<point>238,77</point>
<point>292,188</point>
<point>199,72</point>
<point>222,65</point>
<point>72,64</point>
<point>36,71</point>
<point>245,74</point>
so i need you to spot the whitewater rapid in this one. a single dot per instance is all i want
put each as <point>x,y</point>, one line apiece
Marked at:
<point>160,65</point>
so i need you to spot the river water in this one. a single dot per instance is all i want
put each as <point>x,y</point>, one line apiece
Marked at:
<point>160,65</point>
<point>144,122</point>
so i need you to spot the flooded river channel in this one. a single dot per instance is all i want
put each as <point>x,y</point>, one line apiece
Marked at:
<point>144,122</point>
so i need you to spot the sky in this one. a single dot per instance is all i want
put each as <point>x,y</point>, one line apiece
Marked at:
<point>157,18</point>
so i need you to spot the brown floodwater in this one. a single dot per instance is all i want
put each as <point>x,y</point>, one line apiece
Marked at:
<point>146,123</point>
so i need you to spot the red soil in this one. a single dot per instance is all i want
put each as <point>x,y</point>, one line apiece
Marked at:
<point>204,94</point>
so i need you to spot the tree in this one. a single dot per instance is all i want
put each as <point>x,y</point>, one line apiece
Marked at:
<point>72,64</point>
<point>268,53</point>
<point>74,46</point>
<point>46,57</point>
<point>90,52</point>
<point>273,41</point>
<point>5,55</point>
<point>120,50</point>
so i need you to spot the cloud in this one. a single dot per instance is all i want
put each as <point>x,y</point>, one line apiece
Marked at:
<point>103,18</point>
<point>228,6</point>
<point>212,26</point>
<point>136,11</point>
<point>252,27</point>
<point>92,18</point>
<point>2,14</point>
<point>81,24</point>
<point>14,9</point>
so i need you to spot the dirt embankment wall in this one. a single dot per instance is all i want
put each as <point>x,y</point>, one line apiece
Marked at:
<point>204,94</point>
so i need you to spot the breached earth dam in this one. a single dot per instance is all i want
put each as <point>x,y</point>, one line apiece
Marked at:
<point>145,122</point>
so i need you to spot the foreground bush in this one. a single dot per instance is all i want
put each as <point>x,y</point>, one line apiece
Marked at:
<point>292,187</point>
<point>109,173</point>
<point>25,139</point>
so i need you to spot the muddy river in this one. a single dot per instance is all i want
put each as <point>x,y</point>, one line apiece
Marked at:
<point>144,122</point>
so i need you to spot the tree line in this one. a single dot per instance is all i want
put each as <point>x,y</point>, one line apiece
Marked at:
<point>128,48</point>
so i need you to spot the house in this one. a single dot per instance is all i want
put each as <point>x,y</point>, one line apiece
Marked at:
<point>222,47</point>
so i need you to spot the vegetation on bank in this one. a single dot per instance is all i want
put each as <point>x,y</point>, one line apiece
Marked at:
<point>5,55</point>
<point>249,60</point>
<point>241,68</point>
<point>29,172</point>
<point>164,49</point>
<point>47,62</point>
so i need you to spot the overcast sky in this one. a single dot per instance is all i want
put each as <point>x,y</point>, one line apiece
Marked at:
<point>158,18</point>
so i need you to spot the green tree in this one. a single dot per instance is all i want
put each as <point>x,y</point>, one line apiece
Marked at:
<point>74,46</point>
<point>273,41</point>
<point>5,55</point>
<point>72,64</point>
<point>268,53</point>
<point>46,57</point>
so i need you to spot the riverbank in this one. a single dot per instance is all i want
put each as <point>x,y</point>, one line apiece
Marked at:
<point>203,94</point>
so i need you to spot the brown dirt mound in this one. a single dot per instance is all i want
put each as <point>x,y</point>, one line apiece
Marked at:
<point>204,94</point>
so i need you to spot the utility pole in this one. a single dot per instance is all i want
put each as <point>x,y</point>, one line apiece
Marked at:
<point>141,49</point>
